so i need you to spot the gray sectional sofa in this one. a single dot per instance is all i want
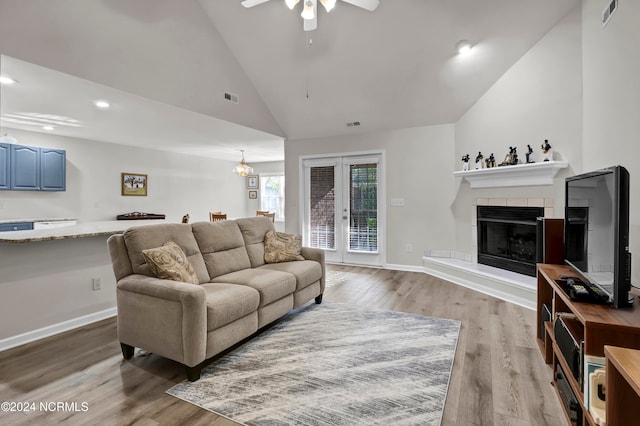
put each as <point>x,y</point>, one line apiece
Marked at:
<point>233,293</point>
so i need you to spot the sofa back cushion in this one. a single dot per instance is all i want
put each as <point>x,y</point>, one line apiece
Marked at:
<point>139,238</point>
<point>253,231</point>
<point>222,247</point>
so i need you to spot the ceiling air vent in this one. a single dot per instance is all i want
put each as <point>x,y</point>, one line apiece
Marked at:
<point>232,97</point>
<point>353,123</point>
<point>608,12</point>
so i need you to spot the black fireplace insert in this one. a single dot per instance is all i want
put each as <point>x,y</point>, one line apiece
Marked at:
<point>507,237</point>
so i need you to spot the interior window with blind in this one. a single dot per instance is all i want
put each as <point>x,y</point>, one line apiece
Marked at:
<point>272,194</point>
<point>322,232</point>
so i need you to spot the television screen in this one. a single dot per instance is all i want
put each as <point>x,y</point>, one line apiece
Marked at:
<point>597,230</point>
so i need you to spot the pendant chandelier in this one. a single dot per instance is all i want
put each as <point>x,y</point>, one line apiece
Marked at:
<point>242,169</point>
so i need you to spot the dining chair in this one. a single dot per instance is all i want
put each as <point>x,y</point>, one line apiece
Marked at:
<point>267,214</point>
<point>215,216</point>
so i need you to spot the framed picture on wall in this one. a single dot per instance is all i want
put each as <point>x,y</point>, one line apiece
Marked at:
<point>252,182</point>
<point>134,184</point>
<point>253,195</point>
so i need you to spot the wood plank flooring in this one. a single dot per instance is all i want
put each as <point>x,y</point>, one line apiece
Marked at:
<point>498,378</point>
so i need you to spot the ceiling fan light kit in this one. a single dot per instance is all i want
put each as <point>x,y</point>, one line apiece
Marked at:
<point>309,9</point>
<point>307,12</point>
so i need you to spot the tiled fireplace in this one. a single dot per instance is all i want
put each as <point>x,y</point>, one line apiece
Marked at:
<point>504,232</point>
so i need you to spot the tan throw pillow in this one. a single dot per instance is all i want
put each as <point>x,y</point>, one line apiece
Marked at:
<point>170,263</point>
<point>282,247</point>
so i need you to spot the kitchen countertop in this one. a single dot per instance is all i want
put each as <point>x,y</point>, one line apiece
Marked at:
<point>80,230</point>
<point>57,219</point>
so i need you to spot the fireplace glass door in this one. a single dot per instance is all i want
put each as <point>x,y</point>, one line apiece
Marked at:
<point>507,237</point>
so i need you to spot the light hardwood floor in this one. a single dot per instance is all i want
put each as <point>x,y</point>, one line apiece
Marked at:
<point>498,378</point>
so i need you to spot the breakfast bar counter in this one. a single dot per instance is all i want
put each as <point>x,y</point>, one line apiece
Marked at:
<point>80,230</point>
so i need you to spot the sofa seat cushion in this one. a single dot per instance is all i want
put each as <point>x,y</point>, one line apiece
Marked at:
<point>306,272</point>
<point>272,285</point>
<point>228,302</point>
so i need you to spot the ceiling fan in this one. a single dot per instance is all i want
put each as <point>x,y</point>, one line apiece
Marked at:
<point>309,10</point>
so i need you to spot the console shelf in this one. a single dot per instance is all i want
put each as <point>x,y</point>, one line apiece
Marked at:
<point>598,325</point>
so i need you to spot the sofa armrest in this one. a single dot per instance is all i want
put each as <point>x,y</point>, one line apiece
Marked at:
<point>316,254</point>
<point>168,318</point>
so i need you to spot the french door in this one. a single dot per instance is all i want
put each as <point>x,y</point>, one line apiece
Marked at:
<point>342,214</point>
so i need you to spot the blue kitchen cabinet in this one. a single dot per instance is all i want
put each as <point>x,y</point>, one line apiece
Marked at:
<point>5,161</point>
<point>53,170</point>
<point>25,168</point>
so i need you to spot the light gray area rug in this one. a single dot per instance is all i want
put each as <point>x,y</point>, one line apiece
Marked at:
<point>333,364</point>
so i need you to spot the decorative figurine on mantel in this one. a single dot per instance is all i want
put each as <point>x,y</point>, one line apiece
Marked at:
<point>511,159</point>
<point>547,151</point>
<point>528,154</point>
<point>479,162</point>
<point>465,162</point>
<point>491,161</point>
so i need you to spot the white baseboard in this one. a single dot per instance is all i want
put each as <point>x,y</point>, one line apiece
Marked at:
<point>407,268</point>
<point>41,333</point>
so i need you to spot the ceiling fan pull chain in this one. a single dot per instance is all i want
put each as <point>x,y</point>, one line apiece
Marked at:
<point>309,43</point>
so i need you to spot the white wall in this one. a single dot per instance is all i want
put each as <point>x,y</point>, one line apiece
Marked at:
<point>419,165</point>
<point>178,184</point>
<point>539,98</point>
<point>611,67</point>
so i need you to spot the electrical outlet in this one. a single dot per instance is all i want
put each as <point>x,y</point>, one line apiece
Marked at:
<point>409,248</point>
<point>97,284</point>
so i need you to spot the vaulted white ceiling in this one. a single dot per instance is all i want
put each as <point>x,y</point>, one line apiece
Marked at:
<point>392,68</point>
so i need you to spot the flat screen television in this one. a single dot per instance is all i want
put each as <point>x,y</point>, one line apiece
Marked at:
<point>596,231</point>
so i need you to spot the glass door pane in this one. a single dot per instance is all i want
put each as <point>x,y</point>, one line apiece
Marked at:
<point>322,195</point>
<point>363,207</point>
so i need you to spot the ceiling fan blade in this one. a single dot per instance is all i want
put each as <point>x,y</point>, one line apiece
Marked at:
<point>251,3</point>
<point>369,5</point>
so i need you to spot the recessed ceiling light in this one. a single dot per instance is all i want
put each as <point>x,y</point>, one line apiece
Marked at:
<point>48,128</point>
<point>463,47</point>
<point>6,80</point>
<point>102,104</point>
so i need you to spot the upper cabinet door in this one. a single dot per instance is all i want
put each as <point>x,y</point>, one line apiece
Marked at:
<point>25,168</point>
<point>52,169</point>
<point>5,158</point>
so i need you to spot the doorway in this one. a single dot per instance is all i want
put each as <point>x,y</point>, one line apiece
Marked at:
<point>344,209</point>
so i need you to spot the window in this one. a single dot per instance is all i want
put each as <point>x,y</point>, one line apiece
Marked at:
<point>272,194</point>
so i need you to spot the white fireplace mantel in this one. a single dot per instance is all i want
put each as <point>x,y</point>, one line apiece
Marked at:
<point>531,174</point>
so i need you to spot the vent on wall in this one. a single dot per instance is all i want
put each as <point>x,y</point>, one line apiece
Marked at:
<point>231,97</point>
<point>608,12</point>
<point>353,123</point>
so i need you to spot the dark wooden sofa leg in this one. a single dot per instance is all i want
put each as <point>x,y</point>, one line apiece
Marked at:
<point>127,351</point>
<point>319,300</point>
<point>193,373</point>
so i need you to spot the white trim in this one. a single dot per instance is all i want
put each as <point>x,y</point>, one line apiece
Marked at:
<point>50,330</point>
